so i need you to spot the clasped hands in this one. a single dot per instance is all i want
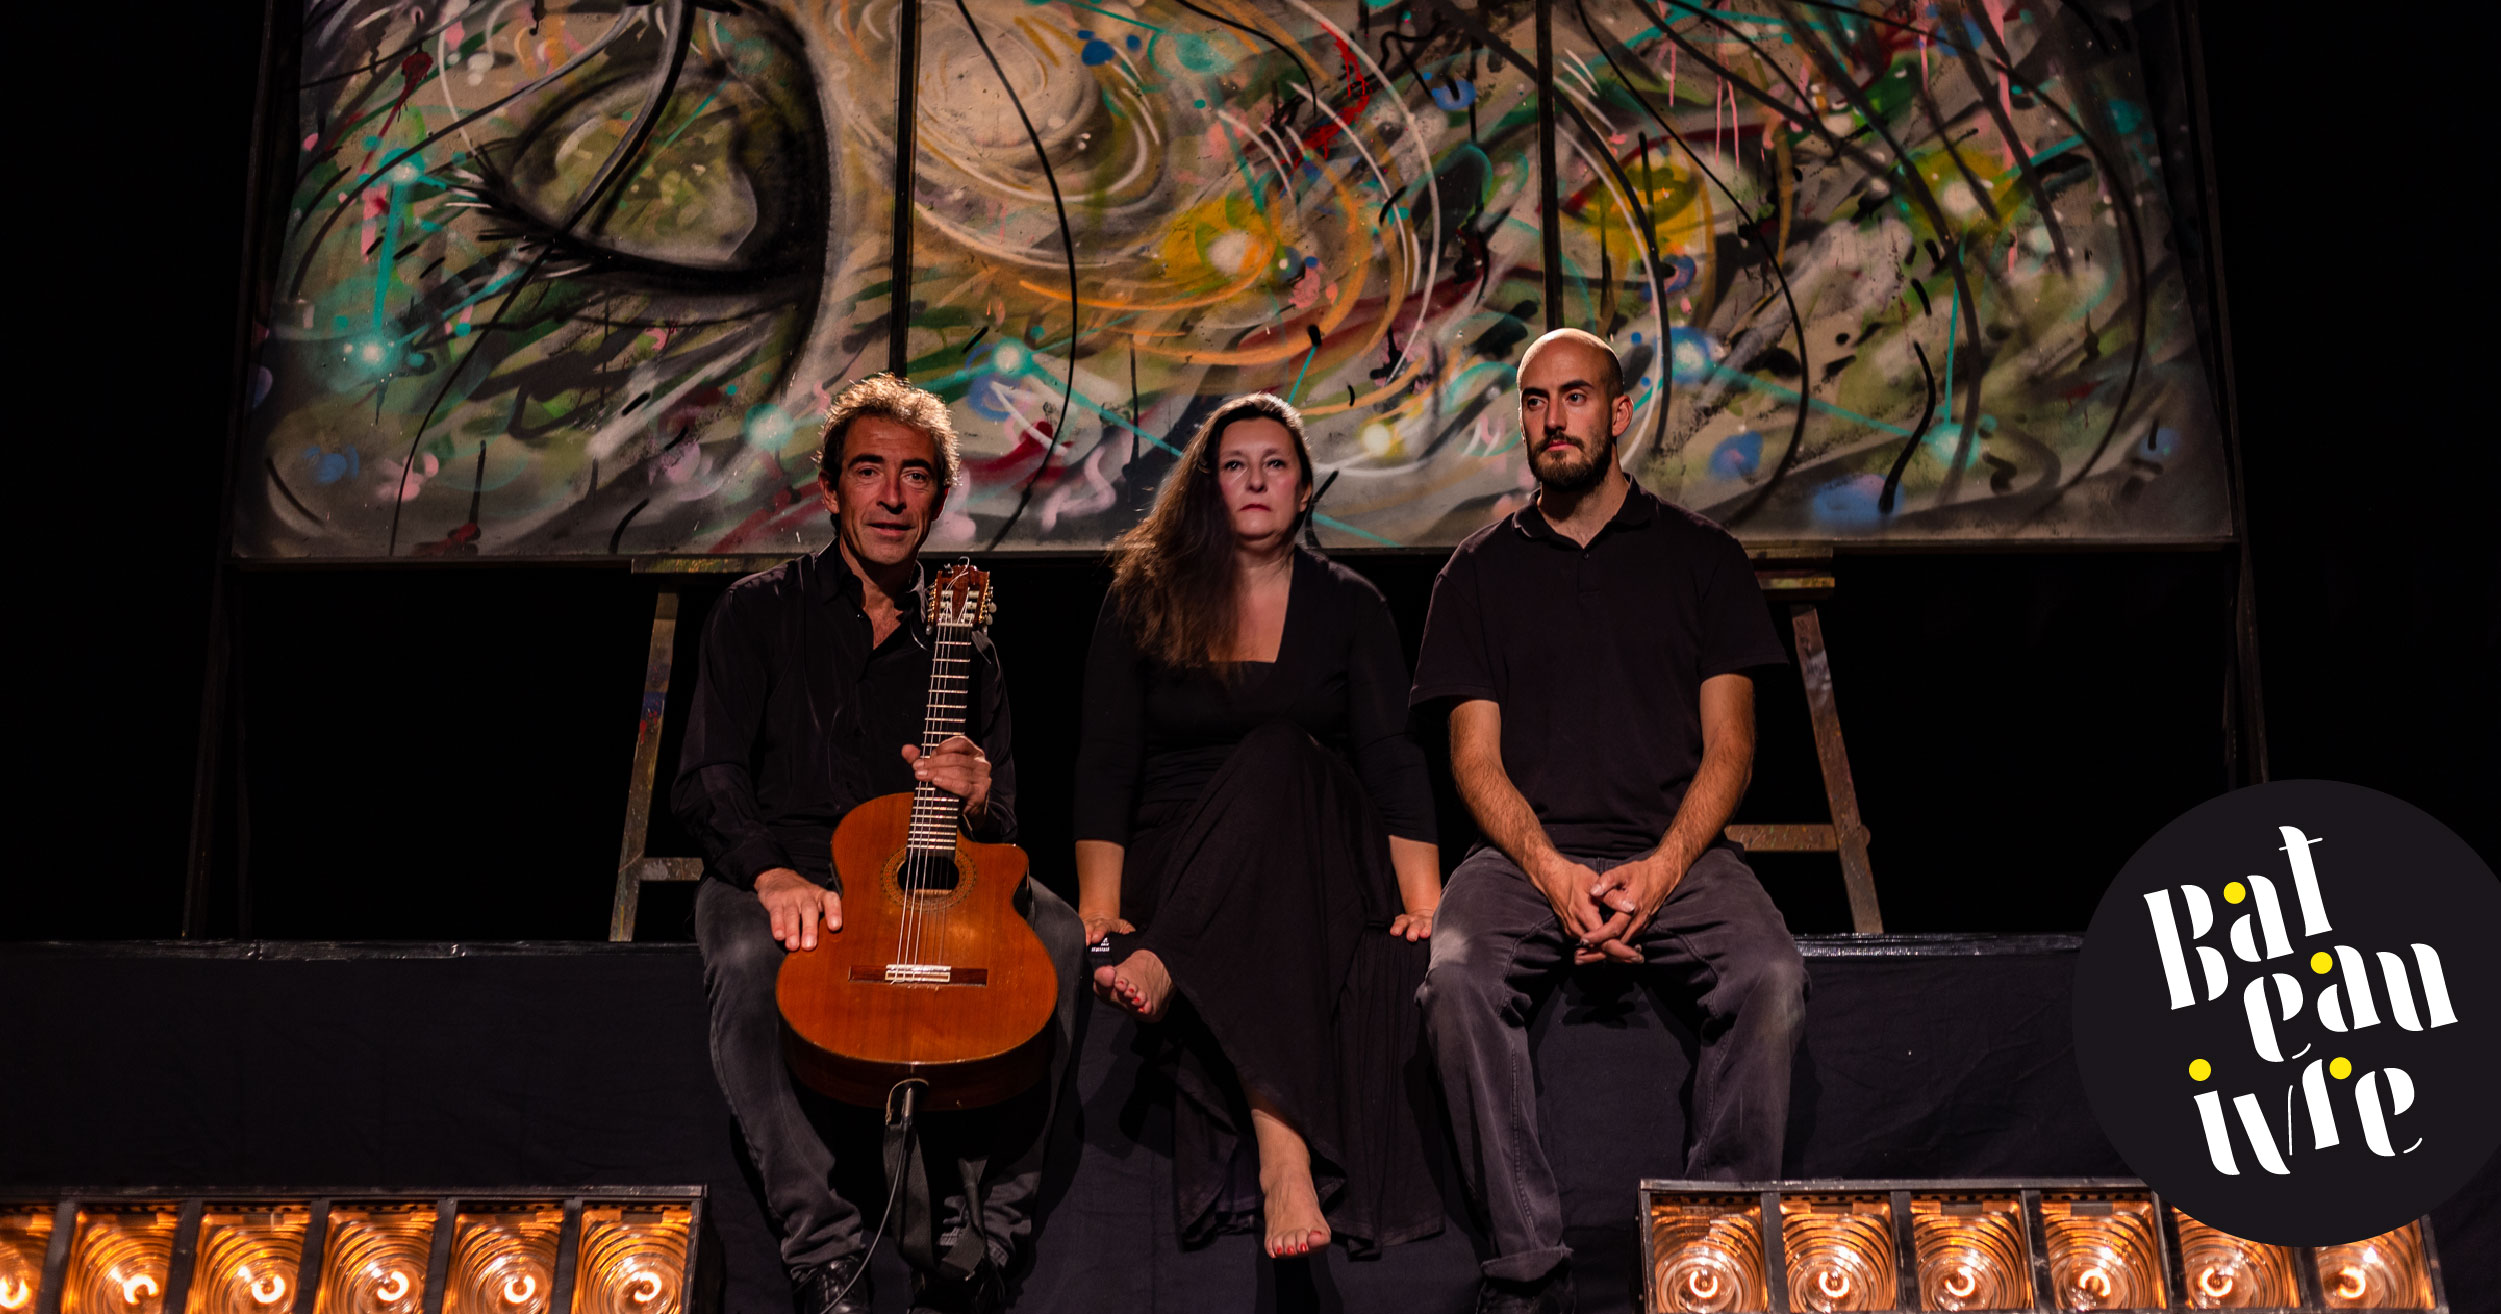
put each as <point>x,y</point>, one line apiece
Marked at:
<point>1604,911</point>
<point>798,906</point>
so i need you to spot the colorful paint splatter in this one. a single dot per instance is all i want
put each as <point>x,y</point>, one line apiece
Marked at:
<point>563,280</point>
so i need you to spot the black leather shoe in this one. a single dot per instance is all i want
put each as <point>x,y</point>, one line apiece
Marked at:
<point>841,1287</point>
<point>1551,1294</point>
<point>985,1292</point>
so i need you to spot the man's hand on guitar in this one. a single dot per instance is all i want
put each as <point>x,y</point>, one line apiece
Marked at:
<point>956,766</point>
<point>798,906</point>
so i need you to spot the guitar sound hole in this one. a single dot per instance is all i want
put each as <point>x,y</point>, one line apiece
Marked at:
<point>928,874</point>
<point>933,880</point>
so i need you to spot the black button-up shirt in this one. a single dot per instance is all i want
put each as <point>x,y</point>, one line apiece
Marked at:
<point>1597,656</point>
<point>799,717</point>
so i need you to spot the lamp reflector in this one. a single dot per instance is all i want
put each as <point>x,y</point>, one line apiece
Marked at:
<point>249,1260</point>
<point>2223,1271</point>
<point>1839,1251</point>
<point>504,1262</point>
<point>2102,1252</point>
<point>25,1234</point>
<point>119,1261</point>
<point>2385,1272</point>
<point>633,1260</point>
<point>1707,1255</point>
<point>1971,1253</point>
<point>375,1259</point>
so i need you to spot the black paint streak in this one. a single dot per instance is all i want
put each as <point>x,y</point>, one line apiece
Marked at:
<point>618,535</point>
<point>1927,412</point>
<point>280,484</point>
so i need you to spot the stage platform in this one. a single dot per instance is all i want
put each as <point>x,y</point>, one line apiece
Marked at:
<point>196,1067</point>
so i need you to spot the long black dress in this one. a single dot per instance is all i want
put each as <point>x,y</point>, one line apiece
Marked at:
<point>1255,804</point>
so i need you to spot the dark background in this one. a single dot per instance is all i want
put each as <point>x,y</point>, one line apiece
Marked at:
<point>442,754</point>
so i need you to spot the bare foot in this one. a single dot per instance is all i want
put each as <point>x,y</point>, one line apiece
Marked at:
<point>1139,984</point>
<point>1296,1227</point>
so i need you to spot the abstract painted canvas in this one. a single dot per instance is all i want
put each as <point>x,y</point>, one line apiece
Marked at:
<point>578,279</point>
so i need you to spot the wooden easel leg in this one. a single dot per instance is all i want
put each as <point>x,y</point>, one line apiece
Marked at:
<point>1849,833</point>
<point>632,867</point>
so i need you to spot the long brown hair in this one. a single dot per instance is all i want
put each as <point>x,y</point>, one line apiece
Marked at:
<point>1174,575</point>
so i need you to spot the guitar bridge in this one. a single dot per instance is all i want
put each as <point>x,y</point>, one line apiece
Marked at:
<point>934,974</point>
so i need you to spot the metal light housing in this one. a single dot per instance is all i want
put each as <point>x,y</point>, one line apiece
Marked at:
<point>249,1260</point>
<point>376,1259</point>
<point>633,1261</point>
<point>1707,1255</point>
<point>121,1260</point>
<point>596,1250</point>
<point>2222,1271</point>
<point>1839,1252</point>
<point>505,1262</point>
<point>2039,1245</point>
<point>2103,1253</point>
<point>2386,1272</point>
<point>1971,1252</point>
<point>25,1237</point>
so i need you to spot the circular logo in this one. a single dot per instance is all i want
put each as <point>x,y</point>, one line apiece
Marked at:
<point>2286,1012</point>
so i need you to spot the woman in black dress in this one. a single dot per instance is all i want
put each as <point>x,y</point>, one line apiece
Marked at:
<point>1255,834</point>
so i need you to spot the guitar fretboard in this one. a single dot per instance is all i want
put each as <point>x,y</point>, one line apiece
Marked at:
<point>935,812</point>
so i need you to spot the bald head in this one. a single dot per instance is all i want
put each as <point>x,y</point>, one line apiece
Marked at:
<point>1572,409</point>
<point>1598,360</point>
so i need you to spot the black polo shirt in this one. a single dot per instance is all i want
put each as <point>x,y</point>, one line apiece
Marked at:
<point>800,717</point>
<point>1597,656</point>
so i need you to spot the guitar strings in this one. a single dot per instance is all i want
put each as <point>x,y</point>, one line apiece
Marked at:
<point>933,823</point>
<point>944,818</point>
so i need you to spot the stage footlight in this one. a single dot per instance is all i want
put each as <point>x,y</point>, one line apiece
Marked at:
<point>25,1234</point>
<point>633,1261</point>
<point>2102,1253</point>
<point>375,1259</point>
<point>119,1262</point>
<point>249,1261</point>
<point>2223,1271</point>
<point>1708,1255</point>
<point>1971,1253</point>
<point>505,1262</point>
<point>2385,1272</point>
<point>1840,1252</point>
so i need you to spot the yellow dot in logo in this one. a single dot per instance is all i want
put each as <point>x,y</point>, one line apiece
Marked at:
<point>2340,1069</point>
<point>2320,962</point>
<point>2235,892</point>
<point>2199,1070</point>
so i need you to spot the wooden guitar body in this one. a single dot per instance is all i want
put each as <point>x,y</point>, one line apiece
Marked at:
<point>933,975</point>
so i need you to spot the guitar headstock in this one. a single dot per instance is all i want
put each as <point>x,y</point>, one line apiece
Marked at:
<point>960,595</point>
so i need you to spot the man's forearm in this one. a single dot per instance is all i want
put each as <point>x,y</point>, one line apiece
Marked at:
<point>717,803</point>
<point>1507,820</point>
<point>1505,817</point>
<point>1710,800</point>
<point>1727,704</point>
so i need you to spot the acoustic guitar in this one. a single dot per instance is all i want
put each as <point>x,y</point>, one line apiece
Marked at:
<point>933,977</point>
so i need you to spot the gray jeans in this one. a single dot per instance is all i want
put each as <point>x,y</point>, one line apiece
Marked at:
<point>1718,937</point>
<point>741,960</point>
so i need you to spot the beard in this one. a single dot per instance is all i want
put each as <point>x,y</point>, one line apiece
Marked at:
<point>1572,470</point>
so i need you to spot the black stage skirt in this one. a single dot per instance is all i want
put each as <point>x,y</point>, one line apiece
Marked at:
<point>1269,898</point>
